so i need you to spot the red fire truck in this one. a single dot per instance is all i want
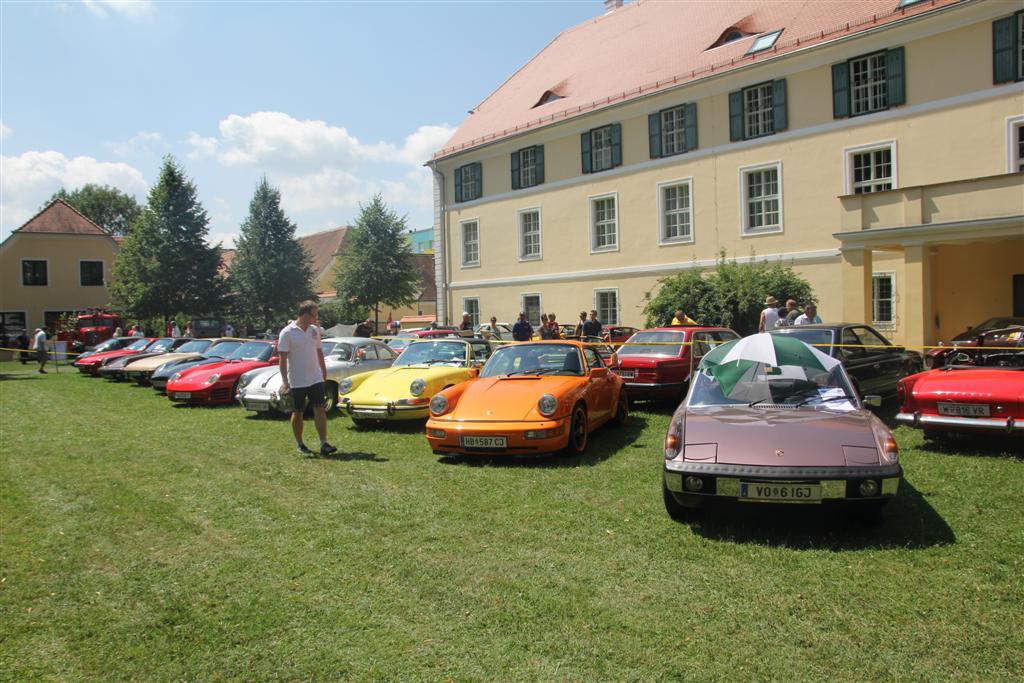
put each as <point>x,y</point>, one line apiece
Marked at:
<point>91,328</point>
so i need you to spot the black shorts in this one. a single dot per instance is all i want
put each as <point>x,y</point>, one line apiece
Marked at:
<point>315,394</point>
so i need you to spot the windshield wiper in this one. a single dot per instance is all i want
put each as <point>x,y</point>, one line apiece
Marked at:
<point>807,400</point>
<point>544,371</point>
<point>760,400</point>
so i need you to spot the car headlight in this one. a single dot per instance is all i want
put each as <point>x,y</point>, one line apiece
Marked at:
<point>417,387</point>
<point>213,378</point>
<point>175,377</point>
<point>160,369</point>
<point>245,380</point>
<point>345,386</point>
<point>547,405</point>
<point>438,404</point>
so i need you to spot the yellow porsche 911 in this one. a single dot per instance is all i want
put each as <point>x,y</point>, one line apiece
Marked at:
<point>403,391</point>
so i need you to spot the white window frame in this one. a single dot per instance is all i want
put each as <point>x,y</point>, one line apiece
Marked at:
<point>744,171</point>
<point>605,134</point>
<point>523,308</point>
<point>474,310</point>
<point>1014,156</point>
<point>468,181</point>
<point>673,130</point>
<point>873,89</point>
<point>597,306</point>
<point>660,198</point>
<point>759,121</point>
<point>530,152</point>
<point>462,242</point>
<point>21,271</point>
<point>883,324</point>
<point>103,278</point>
<point>540,234</point>
<point>592,227</point>
<point>850,152</point>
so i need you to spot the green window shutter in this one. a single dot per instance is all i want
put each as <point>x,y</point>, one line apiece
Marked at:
<point>616,144</point>
<point>894,74</point>
<point>736,115</point>
<point>538,160</point>
<point>458,184</point>
<point>478,175</point>
<point>654,133</point>
<point>585,151</point>
<point>1004,50</point>
<point>690,125</point>
<point>780,115</point>
<point>515,171</point>
<point>840,90</point>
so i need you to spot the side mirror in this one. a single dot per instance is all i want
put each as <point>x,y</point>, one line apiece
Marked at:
<point>873,400</point>
<point>596,373</point>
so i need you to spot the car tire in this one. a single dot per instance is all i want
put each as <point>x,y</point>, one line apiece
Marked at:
<point>331,392</point>
<point>621,416</point>
<point>577,431</point>
<point>673,507</point>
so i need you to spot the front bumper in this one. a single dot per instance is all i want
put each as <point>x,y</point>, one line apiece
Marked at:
<point>1008,425</point>
<point>202,396</point>
<point>140,376</point>
<point>391,410</point>
<point>738,482</point>
<point>116,374</point>
<point>263,403</point>
<point>653,389</point>
<point>556,436</point>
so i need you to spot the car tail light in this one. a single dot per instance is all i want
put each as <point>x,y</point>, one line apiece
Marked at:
<point>673,442</point>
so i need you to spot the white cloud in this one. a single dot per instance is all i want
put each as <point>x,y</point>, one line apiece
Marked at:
<point>201,147</point>
<point>28,180</point>
<point>5,130</point>
<point>422,144</point>
<point>129,9</point>
<point>142,143</point>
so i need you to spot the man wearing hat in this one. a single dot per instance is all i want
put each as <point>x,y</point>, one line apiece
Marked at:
<point>769,316</point>
<point>467,322</point>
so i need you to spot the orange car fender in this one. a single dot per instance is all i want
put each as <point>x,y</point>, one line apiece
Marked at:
<point>454,393</point>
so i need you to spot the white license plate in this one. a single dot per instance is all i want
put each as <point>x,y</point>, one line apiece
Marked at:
<point>373,414</point>
<point>964,409</point>
<point>483,442</point>
<point>182,394</point>
<point>627,374</point>
<point>786,493</point>
<point>258,407</point>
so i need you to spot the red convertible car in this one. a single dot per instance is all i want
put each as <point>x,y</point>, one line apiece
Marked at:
<point>216,382</point>
<point>967,399</point>
<point>656,363</point>
<point>92,363</point>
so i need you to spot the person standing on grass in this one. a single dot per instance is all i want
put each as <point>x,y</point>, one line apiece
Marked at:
<point>39,346</point>
<point>303,374</point>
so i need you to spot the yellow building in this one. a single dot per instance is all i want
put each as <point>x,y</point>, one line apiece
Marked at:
<point>58,262</point>
<point>876,145</point>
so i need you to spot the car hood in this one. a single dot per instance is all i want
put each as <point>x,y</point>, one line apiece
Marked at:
<point>229,370</point>
<point>791,437</point>
<point>265,381</point>
<point>100,357</point>
<point>510,399</point>
<point>155,360</point>
<point>393,383</point>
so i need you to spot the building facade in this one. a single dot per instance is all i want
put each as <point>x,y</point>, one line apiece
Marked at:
<point>875,145</point>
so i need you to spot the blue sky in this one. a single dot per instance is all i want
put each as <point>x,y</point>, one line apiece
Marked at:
<point>333,101</point>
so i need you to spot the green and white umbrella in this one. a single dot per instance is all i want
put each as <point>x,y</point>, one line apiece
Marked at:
<point>729,362</point>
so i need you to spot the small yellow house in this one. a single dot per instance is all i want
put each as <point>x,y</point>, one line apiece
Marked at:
<point>56,263</point>
<point>877,146</point>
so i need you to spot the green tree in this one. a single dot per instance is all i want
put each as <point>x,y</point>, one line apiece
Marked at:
<point>376,268</point>
<point>337,311</point>
<point>731,295</point>
<point>106,206</point>
<point>270,272</point>
<point>165,266</point>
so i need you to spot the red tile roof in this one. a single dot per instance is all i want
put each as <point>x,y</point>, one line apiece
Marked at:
<point>322,247</point>
<point>645,47</point>
<point>428,285</point>
<point>61,218</point>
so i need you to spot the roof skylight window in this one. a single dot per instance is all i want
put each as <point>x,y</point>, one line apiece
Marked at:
<point>907,3</point>
<point>764,42</point>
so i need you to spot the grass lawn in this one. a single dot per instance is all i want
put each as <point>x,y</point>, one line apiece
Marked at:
<point>147,541</point>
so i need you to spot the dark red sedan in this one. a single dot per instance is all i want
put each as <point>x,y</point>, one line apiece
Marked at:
<point>656,363</point>
<point>967,399</point>
<point>216,382</point>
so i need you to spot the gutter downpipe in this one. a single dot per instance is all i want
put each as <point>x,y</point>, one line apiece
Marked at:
<point>441,253</point>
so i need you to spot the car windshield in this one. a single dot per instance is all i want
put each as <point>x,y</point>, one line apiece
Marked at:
<point>653,344</point>
<point>327,347</point>
<point>197,346</point>
<point>223,349</point>
<point>139,345</point>
<point>255,350</point>
<point>341,352</point>
<point>767,386</point>
<point>534,359</point>
<point>433,352</point>
<point>816,337</point>
<point>161,345</point>
<point>110,345</point>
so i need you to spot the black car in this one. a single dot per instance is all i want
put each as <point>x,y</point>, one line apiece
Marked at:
<point>874,364</point>
<point>973,347</point>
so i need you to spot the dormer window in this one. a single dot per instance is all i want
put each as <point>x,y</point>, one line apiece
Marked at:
<point>730,35</point>
<point>548,96</point>
<point>764,42</point>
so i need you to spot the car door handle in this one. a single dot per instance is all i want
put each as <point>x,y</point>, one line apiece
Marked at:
<point>878,366</point>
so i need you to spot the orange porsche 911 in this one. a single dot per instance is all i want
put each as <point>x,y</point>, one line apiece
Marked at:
<point>530,398</point>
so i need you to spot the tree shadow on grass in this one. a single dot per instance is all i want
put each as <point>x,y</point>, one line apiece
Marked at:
<point>7,377</point>
<point>996,445</point>
<point>605,442</point>
<point>909,521</point>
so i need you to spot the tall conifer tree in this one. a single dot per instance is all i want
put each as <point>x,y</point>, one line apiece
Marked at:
<point>270,272</point>
<point>165,267</point>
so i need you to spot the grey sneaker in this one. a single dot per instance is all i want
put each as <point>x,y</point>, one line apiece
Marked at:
<point>303,450</point>
<point>327,449</point>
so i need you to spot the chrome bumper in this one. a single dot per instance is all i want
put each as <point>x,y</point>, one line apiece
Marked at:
<point>995,424</point>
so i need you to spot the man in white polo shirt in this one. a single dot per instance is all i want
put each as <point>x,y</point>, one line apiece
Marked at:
<point>303,372</point>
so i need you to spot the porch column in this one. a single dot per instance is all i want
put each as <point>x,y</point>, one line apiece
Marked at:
<point>856,279</point>
<point>919,317</point>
